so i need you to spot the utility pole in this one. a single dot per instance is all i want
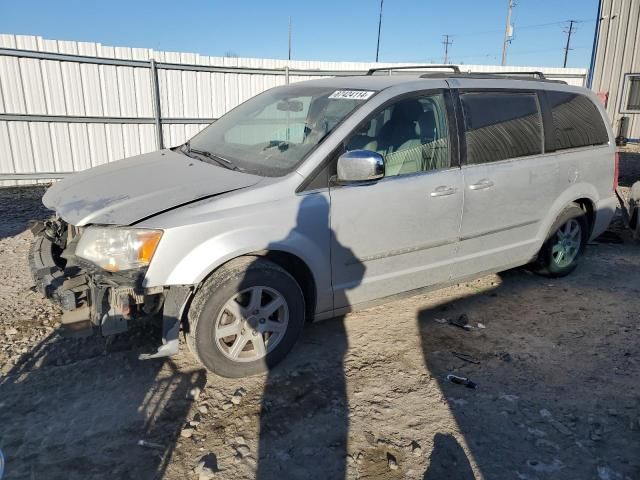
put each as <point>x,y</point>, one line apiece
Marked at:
<point>508,32</point>
<point>379,28</point>
<point>446,42</point>
<point>569,32</point>
<point>289,38</point>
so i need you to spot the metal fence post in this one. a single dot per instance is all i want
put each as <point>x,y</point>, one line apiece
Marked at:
<point>157,109</point>
<point>286,75</point>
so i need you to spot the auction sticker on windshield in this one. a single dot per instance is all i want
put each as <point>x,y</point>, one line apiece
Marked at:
<point>352,94</point>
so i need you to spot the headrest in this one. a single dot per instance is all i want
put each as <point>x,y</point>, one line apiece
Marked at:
<point>407,109</point>
<point>427,125</point>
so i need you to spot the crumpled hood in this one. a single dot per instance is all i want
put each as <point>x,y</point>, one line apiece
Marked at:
<point>129,190</point>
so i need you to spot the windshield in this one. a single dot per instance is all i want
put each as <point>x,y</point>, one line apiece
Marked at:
<point>272,133</point>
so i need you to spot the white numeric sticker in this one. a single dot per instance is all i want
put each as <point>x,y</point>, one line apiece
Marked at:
<point>352,94</point>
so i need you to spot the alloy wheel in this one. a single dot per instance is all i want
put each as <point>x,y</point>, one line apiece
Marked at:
<point>568,240</point>
<point>251,324</point>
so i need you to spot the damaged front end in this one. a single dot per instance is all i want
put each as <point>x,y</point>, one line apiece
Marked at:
<point>95,299</point>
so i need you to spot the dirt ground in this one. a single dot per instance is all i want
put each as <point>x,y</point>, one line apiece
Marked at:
<point>556,362</point>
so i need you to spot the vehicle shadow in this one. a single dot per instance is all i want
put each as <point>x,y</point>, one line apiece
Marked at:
<point>78,409</point>
<point>297,423</point>
<point>538,411</point>
<point>20,205</point>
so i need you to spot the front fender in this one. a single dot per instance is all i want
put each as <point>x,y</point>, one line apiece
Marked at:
<point>188,254</point>
<point>208,256</point>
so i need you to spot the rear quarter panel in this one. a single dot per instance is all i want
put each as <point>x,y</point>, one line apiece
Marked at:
<point>586,172</point>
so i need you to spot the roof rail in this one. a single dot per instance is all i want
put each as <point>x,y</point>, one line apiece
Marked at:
<point>371,71</point>
<point>537,73</point>
<point>493,76</point>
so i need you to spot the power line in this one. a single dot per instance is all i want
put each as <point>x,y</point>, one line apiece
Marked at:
<point>515,53</point>
<point>569,31</point>
<point>446,42</point>
<point>520,27</point>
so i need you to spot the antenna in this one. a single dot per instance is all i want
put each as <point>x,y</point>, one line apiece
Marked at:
<point>446,42</point>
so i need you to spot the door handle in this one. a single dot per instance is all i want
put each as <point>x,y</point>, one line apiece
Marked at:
<point>443,191</point>
<point>482,184</point>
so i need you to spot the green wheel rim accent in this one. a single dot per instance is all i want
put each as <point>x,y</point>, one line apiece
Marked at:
<point>567,243</point>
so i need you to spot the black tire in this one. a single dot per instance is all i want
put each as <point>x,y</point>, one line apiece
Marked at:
<point>47,267</point>
<point>225,283</point>
<point>546,264</point>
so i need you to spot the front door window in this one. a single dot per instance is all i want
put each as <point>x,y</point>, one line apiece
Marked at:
<point>412,135</point>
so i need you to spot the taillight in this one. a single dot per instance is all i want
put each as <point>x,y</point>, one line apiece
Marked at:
<point>616,170</point>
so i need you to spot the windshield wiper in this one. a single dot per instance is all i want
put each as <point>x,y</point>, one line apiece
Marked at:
<point>216,158</point>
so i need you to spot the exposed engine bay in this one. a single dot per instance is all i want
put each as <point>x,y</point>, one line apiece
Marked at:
<point>93,300</point>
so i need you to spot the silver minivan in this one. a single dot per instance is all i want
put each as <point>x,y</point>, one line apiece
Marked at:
<point>317,198</point>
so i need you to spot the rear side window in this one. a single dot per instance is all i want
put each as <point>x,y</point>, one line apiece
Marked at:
<point>501,125</point>
<point>576,121</point>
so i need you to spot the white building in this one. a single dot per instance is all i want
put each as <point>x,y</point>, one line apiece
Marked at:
<point>615,66</point>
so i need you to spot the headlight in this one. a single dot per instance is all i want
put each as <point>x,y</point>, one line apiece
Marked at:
<point>115,249</point>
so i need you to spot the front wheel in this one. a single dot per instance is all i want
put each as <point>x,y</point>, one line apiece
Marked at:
<point>245,318</point>
<point>560,252</point>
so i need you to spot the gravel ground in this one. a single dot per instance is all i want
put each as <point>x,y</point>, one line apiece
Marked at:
<point>556,365</point>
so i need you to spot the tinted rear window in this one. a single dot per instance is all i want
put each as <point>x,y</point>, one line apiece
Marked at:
<point>576,121</point>
<point>501,125</point>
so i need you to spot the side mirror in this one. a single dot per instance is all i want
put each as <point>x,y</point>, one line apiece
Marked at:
<point>359,166</point>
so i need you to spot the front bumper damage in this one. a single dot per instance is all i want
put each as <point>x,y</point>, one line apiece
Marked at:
<point>97,301</point>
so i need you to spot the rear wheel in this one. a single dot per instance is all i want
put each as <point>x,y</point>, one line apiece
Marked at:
<point>245,318</point>
<point>560,253</point>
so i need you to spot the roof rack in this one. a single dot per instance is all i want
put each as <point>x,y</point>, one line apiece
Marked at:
<point>536,73</point>
<point>371,71</point>
<point>491,76</point>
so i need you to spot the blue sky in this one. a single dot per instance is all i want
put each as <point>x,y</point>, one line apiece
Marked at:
<point>322,29</point>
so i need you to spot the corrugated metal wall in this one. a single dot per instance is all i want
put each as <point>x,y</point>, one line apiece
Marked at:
<point>106,112</point>
<point>617,53</point>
